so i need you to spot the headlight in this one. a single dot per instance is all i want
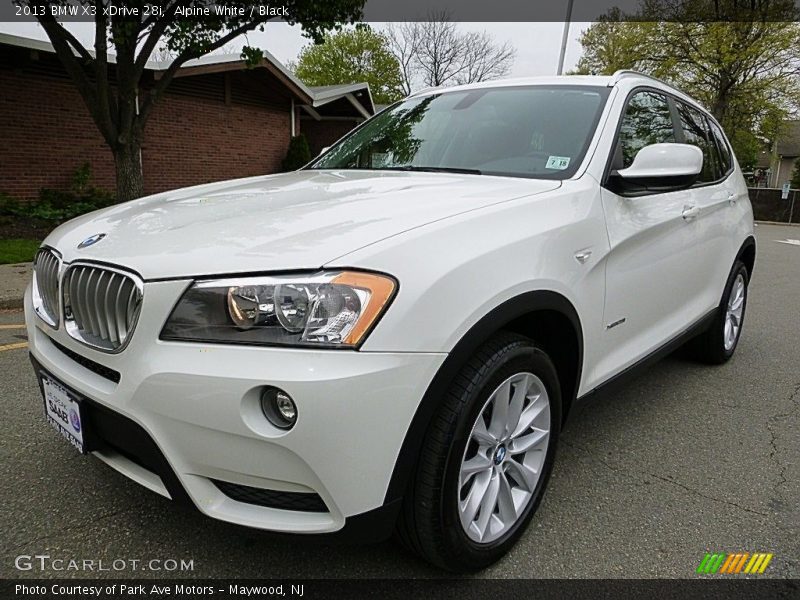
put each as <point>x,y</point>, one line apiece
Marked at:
<point>334,309</point>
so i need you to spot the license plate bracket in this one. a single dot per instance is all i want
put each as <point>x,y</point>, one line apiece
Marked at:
<point>63,410</point>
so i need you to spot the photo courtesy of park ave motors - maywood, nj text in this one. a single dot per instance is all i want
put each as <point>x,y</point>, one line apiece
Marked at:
<point>355,298</point>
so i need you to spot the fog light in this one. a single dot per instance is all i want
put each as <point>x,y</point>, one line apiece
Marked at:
<point>279,408</point>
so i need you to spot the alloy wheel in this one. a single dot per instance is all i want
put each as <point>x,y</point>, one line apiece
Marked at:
<point>504,457</point>
<point>734,312</point>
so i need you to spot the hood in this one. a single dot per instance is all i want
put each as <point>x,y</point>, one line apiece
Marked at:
<point>299,220</point>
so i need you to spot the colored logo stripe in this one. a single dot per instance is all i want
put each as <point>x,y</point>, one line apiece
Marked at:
<point>711,563</point>
<point>734,563</point>
<point>758,564</point>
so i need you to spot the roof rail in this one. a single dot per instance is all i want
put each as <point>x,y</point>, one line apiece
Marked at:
<point>622,73</point>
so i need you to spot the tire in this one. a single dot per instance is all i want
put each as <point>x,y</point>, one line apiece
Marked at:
<point>715,346</point>
<point>430,522</point>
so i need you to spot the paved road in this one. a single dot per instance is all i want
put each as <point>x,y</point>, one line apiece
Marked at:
<point>686,459</point>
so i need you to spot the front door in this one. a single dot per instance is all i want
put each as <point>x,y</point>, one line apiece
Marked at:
<point>651,283</point>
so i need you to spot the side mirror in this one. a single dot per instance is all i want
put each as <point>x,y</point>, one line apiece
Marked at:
<point>663,167</point>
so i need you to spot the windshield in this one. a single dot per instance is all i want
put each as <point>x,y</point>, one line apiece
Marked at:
<point>532,131</point>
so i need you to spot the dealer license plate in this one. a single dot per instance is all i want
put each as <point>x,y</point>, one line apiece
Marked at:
<point>63,410</point>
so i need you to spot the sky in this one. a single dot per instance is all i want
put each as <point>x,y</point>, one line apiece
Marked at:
<point>537,44</point>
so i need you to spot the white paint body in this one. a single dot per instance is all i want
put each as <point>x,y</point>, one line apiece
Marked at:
<point>459,246</point>
<point>652,161</point>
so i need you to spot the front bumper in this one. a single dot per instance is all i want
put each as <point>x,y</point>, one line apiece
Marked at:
<point>199,406</point>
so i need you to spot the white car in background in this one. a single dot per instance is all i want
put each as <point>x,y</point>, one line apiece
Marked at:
<point>391,338</point>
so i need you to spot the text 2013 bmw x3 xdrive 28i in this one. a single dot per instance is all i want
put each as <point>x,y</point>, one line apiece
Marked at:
<point>391,338</point>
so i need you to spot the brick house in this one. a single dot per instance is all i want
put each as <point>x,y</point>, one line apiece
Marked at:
<point>218,120</point>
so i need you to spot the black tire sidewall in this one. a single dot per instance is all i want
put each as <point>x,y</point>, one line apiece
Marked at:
<point>471,555</point>
<point>719,325</point>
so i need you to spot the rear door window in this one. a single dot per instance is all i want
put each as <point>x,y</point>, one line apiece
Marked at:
<point>726,158</point>
<point>694,127</point>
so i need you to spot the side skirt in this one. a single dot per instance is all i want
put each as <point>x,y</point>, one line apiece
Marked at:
<point>633,371</point>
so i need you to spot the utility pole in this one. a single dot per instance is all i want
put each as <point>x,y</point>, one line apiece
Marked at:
<point>564,38</point>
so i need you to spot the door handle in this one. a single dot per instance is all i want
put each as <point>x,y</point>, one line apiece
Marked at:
<point>690,213</point>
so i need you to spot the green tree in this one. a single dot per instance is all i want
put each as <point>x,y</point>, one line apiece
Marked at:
<point>741,60</point>
<point>355,55</point>
<point>297,155</point>
<point>112,89</point>
<point>611,44</point>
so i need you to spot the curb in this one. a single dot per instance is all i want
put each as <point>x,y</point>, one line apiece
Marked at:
<point>16,277</point>
<point>10,303</point>
<point>777,223</point>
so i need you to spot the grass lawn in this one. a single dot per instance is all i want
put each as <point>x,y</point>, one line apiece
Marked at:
<point>16,251</point>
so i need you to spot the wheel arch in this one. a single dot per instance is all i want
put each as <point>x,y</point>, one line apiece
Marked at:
<point>747,254</point>
<point>537,314</point>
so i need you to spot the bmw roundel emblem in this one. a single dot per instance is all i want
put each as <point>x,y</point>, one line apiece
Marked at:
<point>91,241</point>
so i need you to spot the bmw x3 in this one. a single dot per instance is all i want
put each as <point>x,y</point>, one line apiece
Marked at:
<point>391,338</point>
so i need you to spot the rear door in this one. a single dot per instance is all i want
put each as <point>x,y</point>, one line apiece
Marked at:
<point>713,198</point>
<point>651,275</point>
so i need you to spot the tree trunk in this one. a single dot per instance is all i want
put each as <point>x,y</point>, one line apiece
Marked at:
<point>130,181</point>
<point>721,101</point>
<point>719,108</point>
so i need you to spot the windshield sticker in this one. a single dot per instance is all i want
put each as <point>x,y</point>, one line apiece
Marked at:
<point>557,162</point>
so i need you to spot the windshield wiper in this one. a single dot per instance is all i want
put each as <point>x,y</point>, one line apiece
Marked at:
<point>433,169</point>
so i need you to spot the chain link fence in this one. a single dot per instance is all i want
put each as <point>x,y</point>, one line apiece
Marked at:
<point>768,205</point>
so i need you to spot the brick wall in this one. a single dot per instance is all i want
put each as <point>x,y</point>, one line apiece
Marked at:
<point>47,134</point>
<point>207,128</point>
<point>191,140</point>
<point>324,133</point>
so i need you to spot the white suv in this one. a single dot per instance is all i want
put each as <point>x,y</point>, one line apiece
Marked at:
<point>392,337</point>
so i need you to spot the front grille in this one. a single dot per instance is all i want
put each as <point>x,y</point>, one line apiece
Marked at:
<point>45,285</point>
<point>299,501</point>
<point>102,370</point>
<point>101,305</point>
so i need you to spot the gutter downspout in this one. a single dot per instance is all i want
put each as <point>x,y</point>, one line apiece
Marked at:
<point>141,164</point>
<point>293,118</point>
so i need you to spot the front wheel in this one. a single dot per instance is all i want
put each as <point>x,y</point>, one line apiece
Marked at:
<point>486,457</point>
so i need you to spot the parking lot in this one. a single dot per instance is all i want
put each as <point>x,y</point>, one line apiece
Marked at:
<point>684,460</point>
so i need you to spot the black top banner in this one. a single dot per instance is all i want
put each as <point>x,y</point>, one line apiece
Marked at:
<point>421,10</point>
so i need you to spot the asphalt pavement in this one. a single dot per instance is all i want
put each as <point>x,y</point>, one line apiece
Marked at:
<point>686,459</point>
